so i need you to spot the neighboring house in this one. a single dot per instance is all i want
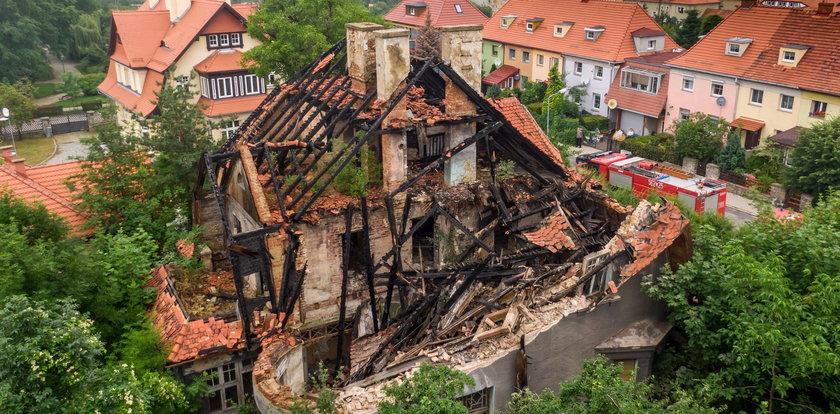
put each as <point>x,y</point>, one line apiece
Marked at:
<point>196,44</point>
<point>45,185</point>
<point>717,12</point>
<point>588,41</point>
<point>641,91</point>
<point>411,14</point>
<point>676,8</point>
<point>765,69</point>
<point>787,140</point>
<point>299,273</point>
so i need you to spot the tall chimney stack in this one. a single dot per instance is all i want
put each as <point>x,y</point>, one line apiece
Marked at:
<point>361,56</point>
<point>7,152</point>
<point>825,9</point>
<point>20,167</point>
<point>393,61</point>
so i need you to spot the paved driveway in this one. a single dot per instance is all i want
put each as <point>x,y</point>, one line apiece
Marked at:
<point>70,147</point>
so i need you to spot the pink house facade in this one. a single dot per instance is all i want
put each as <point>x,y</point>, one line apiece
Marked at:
<point>692,91</point>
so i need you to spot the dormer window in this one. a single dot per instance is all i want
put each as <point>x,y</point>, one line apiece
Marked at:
<point>507,20</point>
<point>458,9</point>
<point>737,46</point>
<point>790,55</point>
<point>414,9</point>
<point>593,33</point>
<point>560,29</point>
<point>532,24</point>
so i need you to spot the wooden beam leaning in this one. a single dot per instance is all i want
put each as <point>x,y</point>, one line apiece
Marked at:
<point>345,264</point>
<point>369,264</point>
<point>465,230</point>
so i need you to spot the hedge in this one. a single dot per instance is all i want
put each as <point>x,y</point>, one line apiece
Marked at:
<point>651,152</point>
<point>592,122</point>
<point>91,106</point>
<point>48,110</point>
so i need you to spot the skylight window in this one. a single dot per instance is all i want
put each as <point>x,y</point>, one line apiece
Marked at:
<point>458,9</point>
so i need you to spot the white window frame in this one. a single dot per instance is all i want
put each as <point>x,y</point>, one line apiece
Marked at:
<point>204,85</point>
<point>782,102</point>
<point>540,60</point>
<point>558,30</point>
<point>224,40</point>
<point>235,378</point>
<point>733,49</point>
<point>685,113</point>
<point>412,11</point>
<point>529,27</point>
<point>599,72</point>
<point>596,101</point>
<point>578,68</point>
<point>511,53</point>
<point>712,91</point>
<point>760,101</point>
<point>236,39</point>
<point>458,9</point>
<point>494,50</point>
<point>526,56</point>
<point>785,56</point>
<point>819,106</point>
<point>213,40</point>
<point>688,79</point>
<point>229,128</point>
<point>229,87</point>
<point>252,85</point>
<point>640,80</point>
<point>590,35</point>
<point>651,44</point>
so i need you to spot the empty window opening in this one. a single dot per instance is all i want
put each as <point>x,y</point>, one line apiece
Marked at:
<point>356,251</point>
<point>423,245</point>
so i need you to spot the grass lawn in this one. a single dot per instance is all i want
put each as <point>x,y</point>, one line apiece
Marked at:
<point>46,89</point>
<point>35,149</point>
<point>78,101</point>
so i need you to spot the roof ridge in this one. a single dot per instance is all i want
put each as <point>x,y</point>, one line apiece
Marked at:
<point>40,188</point>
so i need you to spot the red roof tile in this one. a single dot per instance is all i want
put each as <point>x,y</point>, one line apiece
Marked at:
<point>500,75</point>
<point>229,106</point>
<point>45,185</point>
<point>522,121</point>
<point>552,234</point>
<point>443,13</point>
<point>770,28</point>
<point>615,44</point>
<point>188,338</point>
<point>139,34</point>
<point>647,245</point>
<point>717,12</point>
<point>643,32</point>
<point>748,124</point>
<point>638,101</point>
<point>221,61</point>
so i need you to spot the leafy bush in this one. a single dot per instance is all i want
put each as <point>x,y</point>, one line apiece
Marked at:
<point>593,122</point>
<point>815,161</point>
<point>649,150</point>
<point>767,162</point>
<point>533,92</point>
<point>355,179</point>
<point>699,136</point>
<point>91,106</point>
<point>733,156</point>
<point>89,83</point>
<point>493,91</point>
<point>48,110</point>
<point>432,389</point>
<point>535,108</point>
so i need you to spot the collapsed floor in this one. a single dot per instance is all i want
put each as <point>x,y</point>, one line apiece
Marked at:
<point>470,235</point>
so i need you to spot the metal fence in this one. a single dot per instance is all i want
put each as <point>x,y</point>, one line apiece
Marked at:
<point>54,125</point>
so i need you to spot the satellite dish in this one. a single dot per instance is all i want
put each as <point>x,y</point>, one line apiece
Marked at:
<point>6,112</point>
<point>612,104</point>
<point>497,62</point>
<point>721,101</point>
<point>584,81</point>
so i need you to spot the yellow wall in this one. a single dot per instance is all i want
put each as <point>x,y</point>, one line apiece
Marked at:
<point>540,73</point>
<point>774,118</point>
<point>524,68</point>
<point>833,109</point>
<point>653,7</point>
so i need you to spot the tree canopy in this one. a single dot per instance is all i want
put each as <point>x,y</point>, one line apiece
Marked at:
<point>19,99</point>
<point>690,29</point>
<point>758,308</point>
<point>431,390</point>
<point>296,32</point>
<point>815,160</point>
<point>700,136</point>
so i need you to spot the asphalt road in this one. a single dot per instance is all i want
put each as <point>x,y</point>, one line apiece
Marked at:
<point>738,217</point>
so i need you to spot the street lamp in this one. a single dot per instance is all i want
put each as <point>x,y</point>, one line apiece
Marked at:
<point>548,102</point>
<point>8,117</point>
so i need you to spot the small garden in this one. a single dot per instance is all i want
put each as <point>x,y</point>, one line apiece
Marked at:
<point>35,150</point>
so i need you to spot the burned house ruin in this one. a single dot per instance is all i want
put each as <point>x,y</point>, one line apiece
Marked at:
<point>376,212</point>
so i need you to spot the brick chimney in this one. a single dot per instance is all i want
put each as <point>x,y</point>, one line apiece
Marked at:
<point>7,153</point>
<point>361,56</point>
<point>393,61</point>
<point>825,9</point>
<point>20,167</point>
<point>746,4</point>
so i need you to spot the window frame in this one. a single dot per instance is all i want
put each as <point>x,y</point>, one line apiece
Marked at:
<point>237,37</point>
<point>412,11</point>
<point>590,35</point>
<point>596,98</point>
<point>540,60</point>
<point>760,101</point>
<point>712,91</point>
<point>526,56</point>
<point>644,82</point>
<point>212,41</point>
<point>735,52</point>
<point>785,54</point>
<point>818,109</point>
<point>651,45</point>
<point>575,70</point>
<point>680,9</point>
<point>251,80</point>
<point>688,79</point>
<point>494,50</point>
<point>229,87</point>
<point>598,69</point>
<point>782,98</point>
<point>458,9</point>
<point>511,53</point>
<point>555,60</point>
<point>529,27</point>
<point>224,40</point>
<point>684,113</point>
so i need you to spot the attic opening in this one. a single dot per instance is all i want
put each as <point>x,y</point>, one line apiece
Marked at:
<point>423,245</point>
<point>356,251</point>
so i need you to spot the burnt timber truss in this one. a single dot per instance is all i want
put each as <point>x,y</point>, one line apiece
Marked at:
<point>289,137</point>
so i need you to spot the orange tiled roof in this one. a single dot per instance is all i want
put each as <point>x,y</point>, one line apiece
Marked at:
<point>500,75</point>
<point>139,34</point>
<point>770,28</point>
<point>45,185</point>
<point>659,236</point>
<point>229,106</point>
<point>189,339</point>
<point>615,44</point>
<point>552,234</point>
<point>141,103</point>
<point>443,13</point>
<point>637,101</point>
<point>748,124</point>
<point>221,61</point>
<point>522,121</point>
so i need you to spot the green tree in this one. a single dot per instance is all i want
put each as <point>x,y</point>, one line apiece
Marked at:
<point>555,84</point>
<point>72,85</point>
<point>431,390</point>
<point>733,155</point>
<point>815,160</point>
<point>689,31</point>
<point>494,91</point>
<point>295,32</point>
<point>19,99</point>
<point>599,389</point>
<point>758,308</point>
<point>52,362</point>
<point>699,136</point>
<point>710,22</point>
<point>533,92</point>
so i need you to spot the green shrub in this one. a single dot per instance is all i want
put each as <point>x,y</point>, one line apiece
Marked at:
<point>650,151</point>
<point>535,108</point>
<point>90,82</point>
<point>493,91</point>
<point>592,122</point>
<point>49,110</point>
<point>91,106</point>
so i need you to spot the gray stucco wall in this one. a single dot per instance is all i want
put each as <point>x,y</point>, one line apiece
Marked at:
<point>558,353</point>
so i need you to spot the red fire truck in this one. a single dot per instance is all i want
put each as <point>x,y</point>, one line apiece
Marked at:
<point>641,176</point>
<point>600,161</point>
